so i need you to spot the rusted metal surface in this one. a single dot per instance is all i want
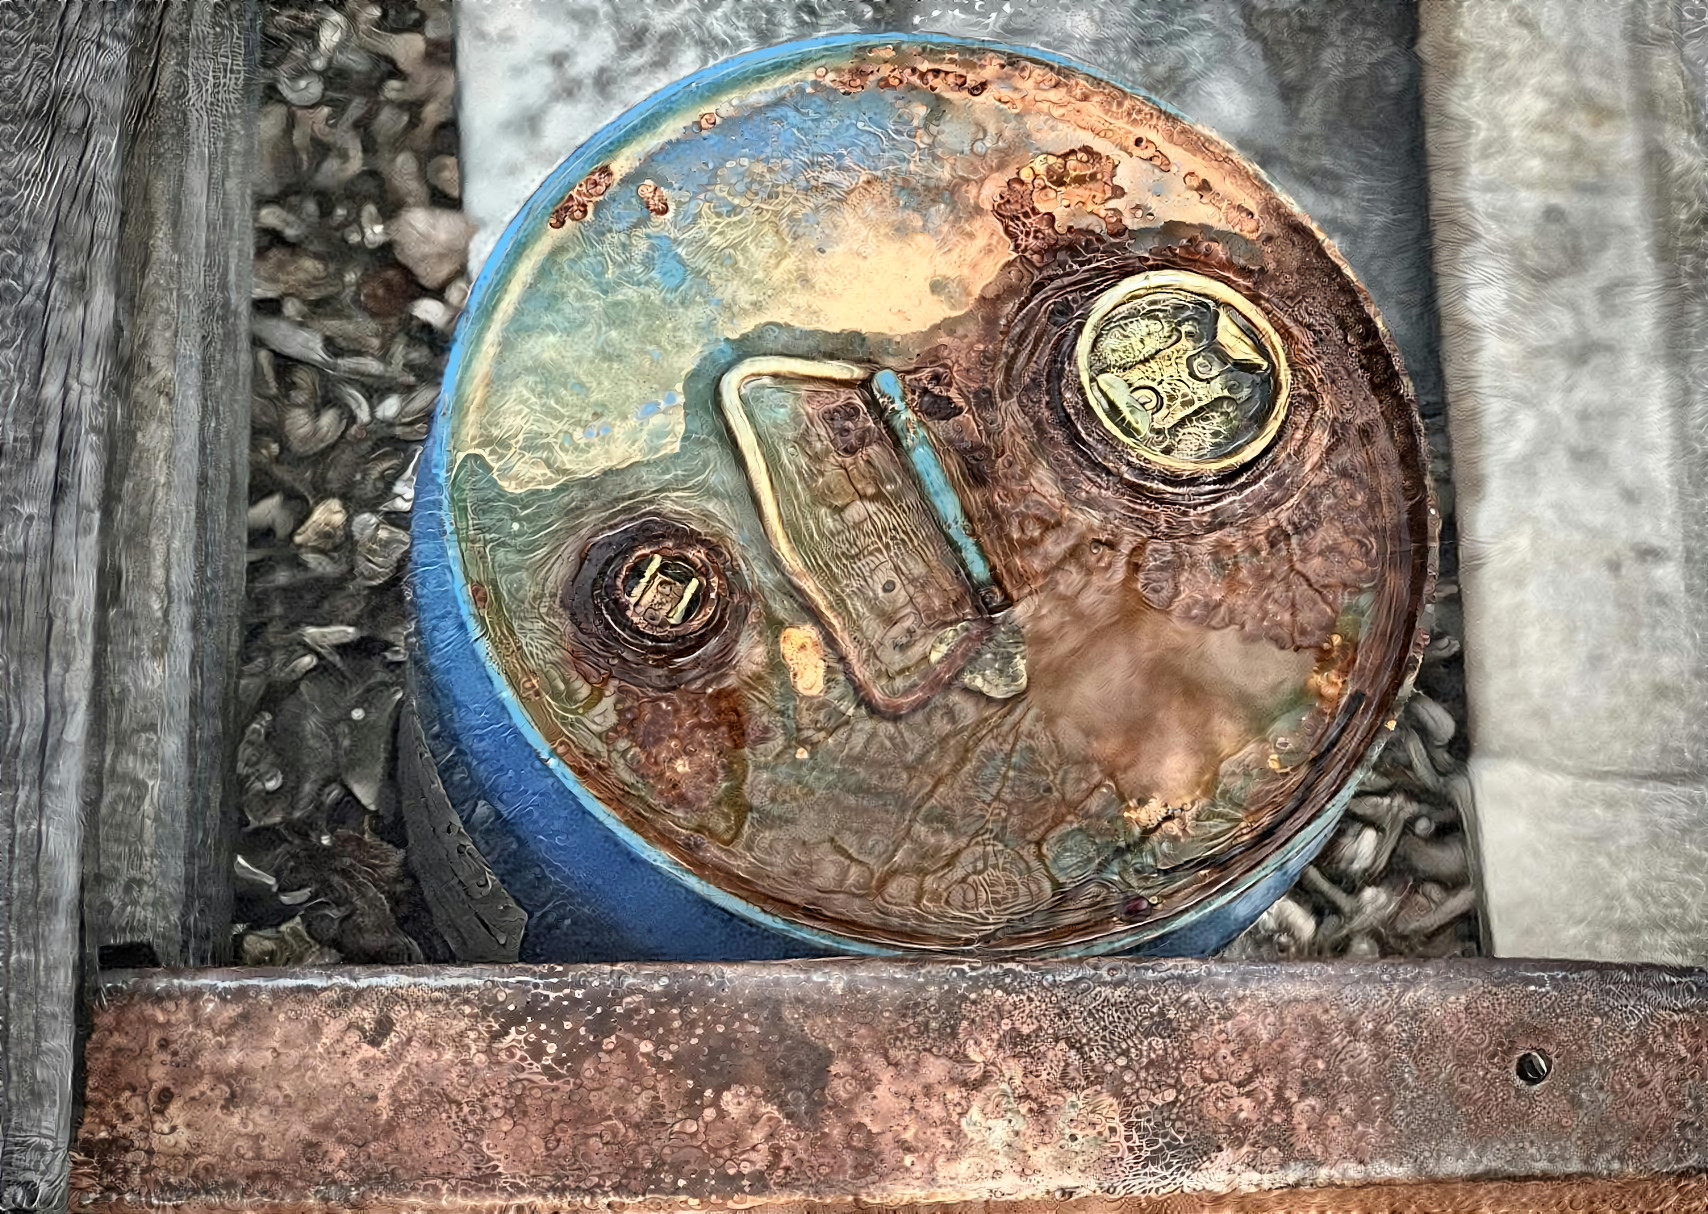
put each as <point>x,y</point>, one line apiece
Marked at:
<point>1479,1084</point>
<point>1644,1195</point>
<point>1077,487</point>
<point>1648,1195</point>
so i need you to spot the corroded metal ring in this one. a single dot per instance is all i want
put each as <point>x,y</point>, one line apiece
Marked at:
<point>653,600</point>
<point>1184,371</point>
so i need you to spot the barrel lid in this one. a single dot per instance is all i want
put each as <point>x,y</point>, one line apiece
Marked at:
<point>927,496</point>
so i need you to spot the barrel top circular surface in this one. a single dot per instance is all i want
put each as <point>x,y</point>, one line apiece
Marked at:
<point>934,498</point>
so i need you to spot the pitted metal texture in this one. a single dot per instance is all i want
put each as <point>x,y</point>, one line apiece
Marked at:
<point>747,1085</point>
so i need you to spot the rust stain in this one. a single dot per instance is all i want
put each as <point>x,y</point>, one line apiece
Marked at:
<point>579,204</point>
<point>1024,1085</point>
<point>1148,150</point>
<point>690,749</point>
<point>652,197</point>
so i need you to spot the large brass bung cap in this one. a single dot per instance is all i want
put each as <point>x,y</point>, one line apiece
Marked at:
<point>1183,370</point>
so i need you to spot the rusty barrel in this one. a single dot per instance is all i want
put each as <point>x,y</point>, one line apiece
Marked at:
<point>906,495</point>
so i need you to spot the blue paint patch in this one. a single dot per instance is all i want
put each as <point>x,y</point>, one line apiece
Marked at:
<point>945,503</point>
<point>667,265</point>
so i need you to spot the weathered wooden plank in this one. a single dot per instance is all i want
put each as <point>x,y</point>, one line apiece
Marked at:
<point>665,1086</point>
<point>60,140</point>
<point>158,854</point>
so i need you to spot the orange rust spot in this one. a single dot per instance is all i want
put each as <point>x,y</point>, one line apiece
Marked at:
<point>653,197</point>
<point>854,80</point>
<point>691,752</point>
<point>1334,661</point>
<point>570,208</point>
<point>1148,150</point>
<point>1046,195</point>
<point>579,201</point>
<point>1148,816</point>
<point>597,182</point>
<point>1242,220</point>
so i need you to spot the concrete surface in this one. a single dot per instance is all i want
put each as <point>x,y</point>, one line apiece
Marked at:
<point>1567,189</point>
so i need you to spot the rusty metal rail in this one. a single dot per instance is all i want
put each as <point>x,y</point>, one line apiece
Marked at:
<point>1174,1085</point>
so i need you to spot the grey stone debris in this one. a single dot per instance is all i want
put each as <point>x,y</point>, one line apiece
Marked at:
<point>354,244</point>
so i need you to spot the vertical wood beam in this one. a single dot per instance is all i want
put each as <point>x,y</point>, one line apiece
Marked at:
<point>158,851</point>
<point>60,137</point>
<point>124,387</point>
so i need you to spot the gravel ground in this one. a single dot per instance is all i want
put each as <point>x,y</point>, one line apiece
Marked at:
<point>359,276</point>
<point>359,256</point>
